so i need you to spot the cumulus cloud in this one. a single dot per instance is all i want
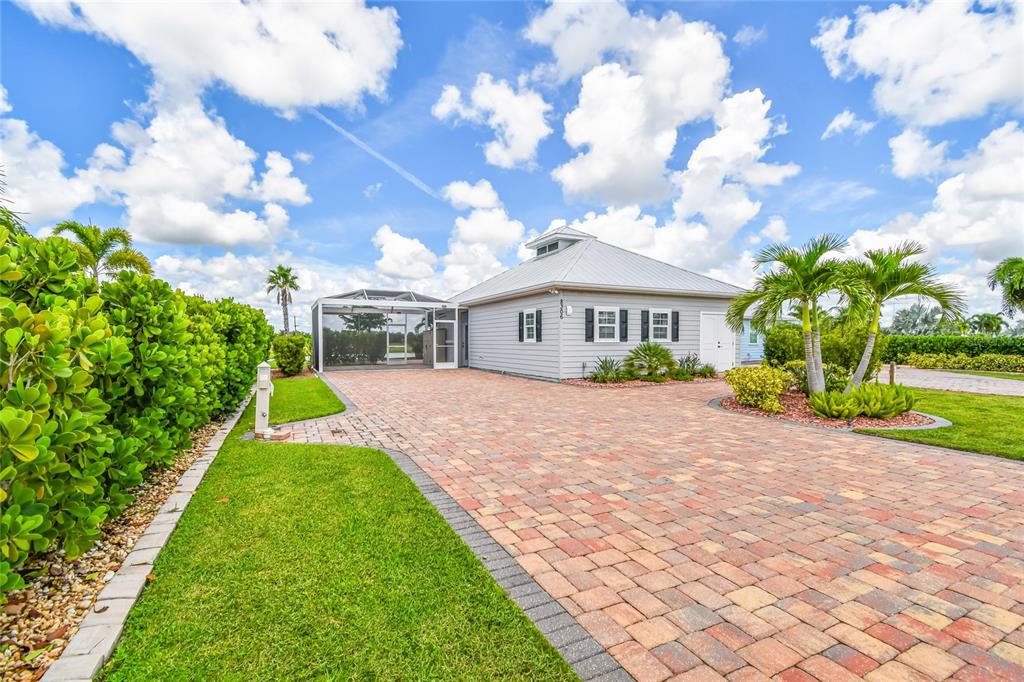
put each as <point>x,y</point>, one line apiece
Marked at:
<point>5,106</point>
<point>978,210</point>
<point>775,230</point>
<point>934,62</point>
<point>913,155</point>
<point>261,50</point>
<point>372,190</point>
<point>402,257</point>
<point>278,183</point>
<point>461,195</point>
<point>518,118</point>
<point>661,74</point>
<point>846,120</point>
<point>748,36</point>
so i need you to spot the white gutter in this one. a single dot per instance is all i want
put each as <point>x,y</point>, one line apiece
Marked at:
<point>538,288</point>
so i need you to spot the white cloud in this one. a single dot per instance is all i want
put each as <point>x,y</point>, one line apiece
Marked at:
<point>370,191</point>
<point>847,120</point>
<point>934,62</point>
<point>491,227</point>
<point>979,209</point>
<point>402,257</point>
<point>661,74</point>
<point>460,194</point>
<point>775,230</point>
<point>913,155</point>
<point>518,119</point>
<point>5,106</point>
<point>468,264</point>
<point>748,36</point>
<point>278,184</point>
<point>303,157</point>
<point>829,195</point>
<point>281,55</point>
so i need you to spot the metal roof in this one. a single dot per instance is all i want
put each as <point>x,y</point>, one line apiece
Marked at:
<point>563,232</point>
<point>593,264</point>
<point>388,295</point>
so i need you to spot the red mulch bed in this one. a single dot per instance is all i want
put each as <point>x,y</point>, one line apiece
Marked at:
<point>278,374</point>
<point>798,410</point>
<point>587,383</point>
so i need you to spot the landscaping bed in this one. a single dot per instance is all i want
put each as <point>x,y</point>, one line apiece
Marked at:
<point>39,620</point>
<point>633,383</point>
<point>797,409</point>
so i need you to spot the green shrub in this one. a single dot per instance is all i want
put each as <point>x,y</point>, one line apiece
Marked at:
<point>99,384</point>
<point>290,353</point>
<point>988,362</point>
<point>607,371</point>
<point>707,371</point>
<point>681,374</point>
<point>834,405</point>
<point>899,348</point>
<point>689,364</point>
<point>882,401</point>
<point>835,380</point>
<point>783,342</point>
<point>649,359</point>
<point>758,386</point>
<point>842,347</point>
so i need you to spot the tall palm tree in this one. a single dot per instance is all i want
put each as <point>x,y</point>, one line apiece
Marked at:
<point>918,320</point>
<point>802,277</point>
<point>987,323</point>
<point>885,275</point>
<point>104,252</point>
<point>283,281</point>
<point>1010,275</point>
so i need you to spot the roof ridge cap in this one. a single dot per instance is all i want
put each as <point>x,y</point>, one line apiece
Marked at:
<point>584,244</point>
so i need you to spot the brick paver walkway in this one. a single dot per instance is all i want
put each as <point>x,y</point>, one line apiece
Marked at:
<point>954,381</point>
<point>701,544</point>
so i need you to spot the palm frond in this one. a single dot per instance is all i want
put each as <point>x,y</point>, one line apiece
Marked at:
<point>127,258</point>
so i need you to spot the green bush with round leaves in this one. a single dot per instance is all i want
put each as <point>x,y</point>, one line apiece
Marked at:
<point>98,384</point>
<point>758,386</point>
<point>290,353</point>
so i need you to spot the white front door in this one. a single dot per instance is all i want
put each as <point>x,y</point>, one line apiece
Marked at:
<point>717,341</point>
<point>445,339</point>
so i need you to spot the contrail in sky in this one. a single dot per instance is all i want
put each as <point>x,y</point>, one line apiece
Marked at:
<point>377,155</point>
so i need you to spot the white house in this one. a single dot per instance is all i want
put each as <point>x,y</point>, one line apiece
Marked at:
<point>552,316</point>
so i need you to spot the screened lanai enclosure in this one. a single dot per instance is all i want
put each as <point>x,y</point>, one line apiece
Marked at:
<point>379,329</point>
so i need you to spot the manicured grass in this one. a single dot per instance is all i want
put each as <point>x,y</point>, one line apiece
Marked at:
<point>998,375</point>
<point>297,398</point>
<point>989,424</point>
<point>301,562</point>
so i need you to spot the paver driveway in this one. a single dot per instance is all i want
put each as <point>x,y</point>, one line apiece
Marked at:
<point>695,542</point>
<point>953,381</point>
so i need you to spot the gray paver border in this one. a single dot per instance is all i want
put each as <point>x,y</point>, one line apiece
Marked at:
<point>98,633</point>
<point>578,647</point>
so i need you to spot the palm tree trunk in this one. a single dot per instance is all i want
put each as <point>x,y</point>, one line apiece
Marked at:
<point>865,359</point>
<point>813,386</point>
<point>819,368</point>
<point>284,312</point>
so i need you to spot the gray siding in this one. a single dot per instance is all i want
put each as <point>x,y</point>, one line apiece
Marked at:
<point>494,337</point>
<point>576,350</point>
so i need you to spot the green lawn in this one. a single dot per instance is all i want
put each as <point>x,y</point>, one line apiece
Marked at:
<point>988,424</point>
<point>301,562</point>
<point>998,375</point>
<point>298,398</point>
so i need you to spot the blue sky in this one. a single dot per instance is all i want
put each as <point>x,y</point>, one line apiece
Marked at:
<point>158,124</point>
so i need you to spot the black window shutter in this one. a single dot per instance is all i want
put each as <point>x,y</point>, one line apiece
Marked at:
<point>675,325</point>
<point>538,324</point>
<point>520,327</point>
<point>645,325</point>
<point>623,325</point>
<point>588,324</point>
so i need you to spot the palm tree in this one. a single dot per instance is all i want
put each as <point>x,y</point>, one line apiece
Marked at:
<point>988,323</point>
<point>9,220</point>
<point>804,277</point>
<point>1010,275</point>
<point>886,275</point>
<point>104,251</point>
<point>918,320</point>
<point>283,281</point>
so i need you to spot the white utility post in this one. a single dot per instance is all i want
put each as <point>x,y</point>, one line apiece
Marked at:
<point>264,389</point>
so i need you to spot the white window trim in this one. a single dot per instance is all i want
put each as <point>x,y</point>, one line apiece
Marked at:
<point>667,325</point>
<point>598,325</point>
<point>526,314</point>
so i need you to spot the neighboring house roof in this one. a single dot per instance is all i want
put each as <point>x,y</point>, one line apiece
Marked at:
<point>592,264</point>
<point>388,295</point>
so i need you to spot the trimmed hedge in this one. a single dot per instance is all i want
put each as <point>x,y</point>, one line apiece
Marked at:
<point>899,348</point>
<point>290,353</point>
<point>841,347</point>
<point>986,362</point>
<point>99,384</point>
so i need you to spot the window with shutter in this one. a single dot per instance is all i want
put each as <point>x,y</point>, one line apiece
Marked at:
<point>645,325</point>
<point>660,325</point>
<point>588,324</point>
<point>538,324</point>
<point>607,325</point>
<point>529,325</point>
<point>675,325</point>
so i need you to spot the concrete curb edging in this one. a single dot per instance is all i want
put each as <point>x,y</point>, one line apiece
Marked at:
<point>580,650</point>
<point>98,633</point>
